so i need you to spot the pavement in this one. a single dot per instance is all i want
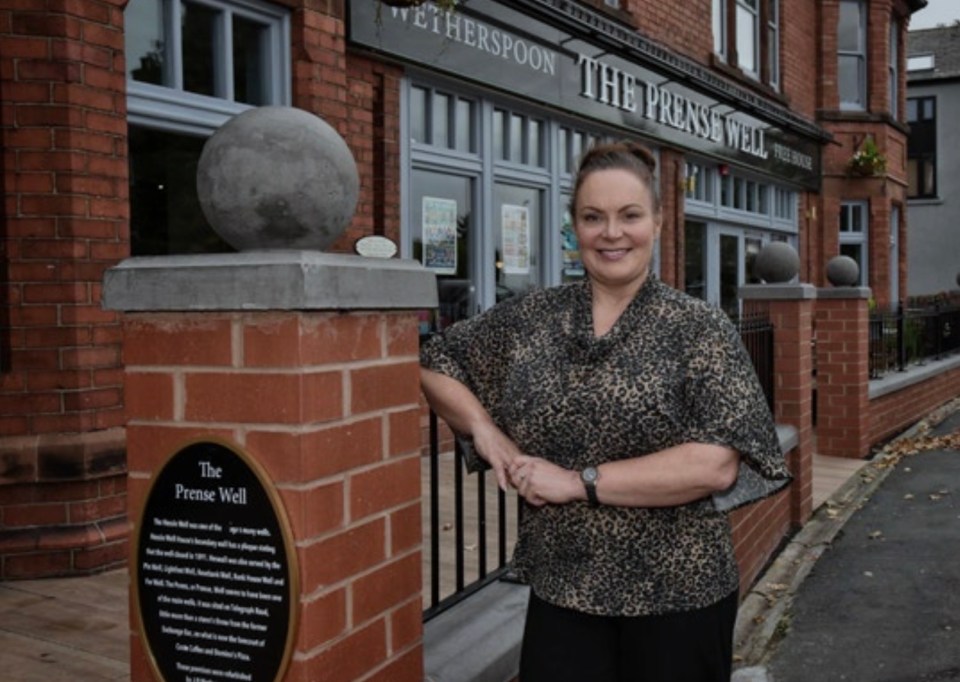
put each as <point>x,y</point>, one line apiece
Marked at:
<point>867,591</point>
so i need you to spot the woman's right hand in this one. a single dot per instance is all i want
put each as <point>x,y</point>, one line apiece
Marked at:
<point>497,449</point>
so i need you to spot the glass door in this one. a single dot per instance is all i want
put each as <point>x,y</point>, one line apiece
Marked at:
<point>516,237</point>
<point>444,240</point>
<point>695,259</point>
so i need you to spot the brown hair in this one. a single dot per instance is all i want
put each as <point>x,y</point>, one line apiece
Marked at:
<point>624,155</point>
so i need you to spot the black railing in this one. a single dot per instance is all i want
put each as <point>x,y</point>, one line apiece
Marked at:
<point>756,332</point>
<point>465,522</point>
<point>907,336</point>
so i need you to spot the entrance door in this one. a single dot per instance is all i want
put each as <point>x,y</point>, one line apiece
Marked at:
<point>445,240</point>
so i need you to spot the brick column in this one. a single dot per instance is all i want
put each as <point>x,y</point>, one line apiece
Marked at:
<point>63,126</point>
<point>308,362</point>
<point>790,307</point>
<point>843,372</point>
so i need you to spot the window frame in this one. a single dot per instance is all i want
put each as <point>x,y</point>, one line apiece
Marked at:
<point>893,68</point>
<point>170,107</point>
<point>726,29</point>
<point>922,128</point>
<point>860,55</point>
<point>857,235</point>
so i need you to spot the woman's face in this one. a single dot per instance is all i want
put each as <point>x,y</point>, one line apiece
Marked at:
<point>616,225</point>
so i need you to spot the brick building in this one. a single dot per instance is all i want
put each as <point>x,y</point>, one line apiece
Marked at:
<point>466,128</point>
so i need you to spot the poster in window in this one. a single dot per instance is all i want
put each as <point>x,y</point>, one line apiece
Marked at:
<point>440,235</point>
<point>515,238</point>
<point>572,265</point>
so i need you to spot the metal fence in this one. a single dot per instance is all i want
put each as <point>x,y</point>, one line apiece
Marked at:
<point>756,332</point>
<point>470,524</point>
<point>908,336</point>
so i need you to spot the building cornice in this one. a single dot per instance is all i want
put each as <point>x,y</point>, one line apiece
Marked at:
<point>628,42</point>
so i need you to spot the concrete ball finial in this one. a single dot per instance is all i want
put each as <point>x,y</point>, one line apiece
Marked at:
<point>277,178</point>
<point>776,262</point>
<point>843,271</point>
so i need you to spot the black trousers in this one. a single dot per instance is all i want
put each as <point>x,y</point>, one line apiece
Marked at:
<point>560,645</point>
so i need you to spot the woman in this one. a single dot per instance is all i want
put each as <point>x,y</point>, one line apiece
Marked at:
<point>628,417</point>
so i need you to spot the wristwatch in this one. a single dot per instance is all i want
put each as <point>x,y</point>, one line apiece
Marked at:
<point>590,476</point>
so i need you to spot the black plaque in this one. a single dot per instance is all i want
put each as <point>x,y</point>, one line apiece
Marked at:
<point>216,586</point>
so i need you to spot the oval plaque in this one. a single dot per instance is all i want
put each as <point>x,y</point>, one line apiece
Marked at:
<point>215,575</point>
<point>375,246</point>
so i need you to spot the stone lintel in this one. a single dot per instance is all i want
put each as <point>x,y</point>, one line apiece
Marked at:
<point>834,293</point>
<point>268,280</point>
<point>777,292</point>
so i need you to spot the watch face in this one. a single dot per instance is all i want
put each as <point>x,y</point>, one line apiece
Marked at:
<point>589,475</point>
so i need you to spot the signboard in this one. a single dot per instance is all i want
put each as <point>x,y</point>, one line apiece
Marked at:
<point>496,45</point>
<point>215,578</point>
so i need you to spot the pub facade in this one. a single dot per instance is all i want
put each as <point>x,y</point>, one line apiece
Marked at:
<point>466,126</point>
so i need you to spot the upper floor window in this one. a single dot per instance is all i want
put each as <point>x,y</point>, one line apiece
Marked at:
<point>853,235</point>
<point>746,34</point>
<point>893,69</point>
<point>191,66</point>
<point>922,147</point>
<point>852,55</point>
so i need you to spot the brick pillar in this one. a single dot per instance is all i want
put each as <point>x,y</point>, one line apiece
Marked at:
<point>843,372</point>
<point>319,382</point>
<point>63,126</point>
<point>790,307</point>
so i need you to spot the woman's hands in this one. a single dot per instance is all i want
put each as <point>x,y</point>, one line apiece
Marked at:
<point>496,448</point>
<point>540,482</point>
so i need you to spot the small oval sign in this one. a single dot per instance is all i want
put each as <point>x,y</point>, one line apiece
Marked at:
<point>375,246</point>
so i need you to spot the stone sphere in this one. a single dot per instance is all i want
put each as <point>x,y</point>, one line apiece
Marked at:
<point>958,279</point>
<point>277,178</point>
<point>776,262</point>
<point>843,271</point>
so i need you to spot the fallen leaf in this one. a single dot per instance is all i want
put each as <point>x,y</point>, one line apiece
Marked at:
<point>908,496</point>
<point>875,534</point>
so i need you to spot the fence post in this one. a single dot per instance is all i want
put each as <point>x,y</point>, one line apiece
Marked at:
<point>843,371</point>
<point>790,308</point>
<point>307,362</point>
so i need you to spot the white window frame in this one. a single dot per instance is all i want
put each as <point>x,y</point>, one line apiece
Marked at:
<point>857,234</point>
<point>170,107</point>
<point>860,54</point>
<point>753,10</point>
<point>893,68</point>
<point>773,45</point>
<point>720,28</point>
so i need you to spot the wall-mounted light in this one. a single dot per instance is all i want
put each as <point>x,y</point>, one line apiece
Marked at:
<point>812,213</point>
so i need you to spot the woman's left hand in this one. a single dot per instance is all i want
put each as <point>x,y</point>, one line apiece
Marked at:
<point>540,482</point>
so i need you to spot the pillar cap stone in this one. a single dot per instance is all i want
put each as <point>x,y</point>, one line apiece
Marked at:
<point>777,292</point>
<point>268,280</point>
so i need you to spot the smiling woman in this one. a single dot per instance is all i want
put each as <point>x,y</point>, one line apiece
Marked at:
<point>628,418</point>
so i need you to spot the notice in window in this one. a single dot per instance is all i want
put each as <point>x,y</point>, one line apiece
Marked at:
<point>440,235</point>
<point>515,235</point>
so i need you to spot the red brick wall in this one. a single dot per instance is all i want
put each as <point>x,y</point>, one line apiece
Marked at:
<point>758,532</point>
<point>63,127</point>
<point>896,411</point>
<point>842,377</point>
<point>329,405</point>
<point>63,123</point>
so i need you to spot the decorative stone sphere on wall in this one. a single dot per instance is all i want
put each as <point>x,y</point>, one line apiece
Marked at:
<point>277,178</point>
<point>958,279</point>
<point>776,262</point>
<point>843,271</point>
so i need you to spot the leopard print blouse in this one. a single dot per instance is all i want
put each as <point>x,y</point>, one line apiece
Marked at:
<point>671,370</point>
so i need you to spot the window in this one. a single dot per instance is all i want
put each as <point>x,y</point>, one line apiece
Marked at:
<point>922,147</point>
<point>190,67</point>
<point>893,69</point>
<point>773,43</point>
<point>852,55</point>
<point>748,37</point>
<point>853,235</point>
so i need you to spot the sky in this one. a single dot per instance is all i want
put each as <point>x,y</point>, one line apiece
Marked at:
<point>936,12</point>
